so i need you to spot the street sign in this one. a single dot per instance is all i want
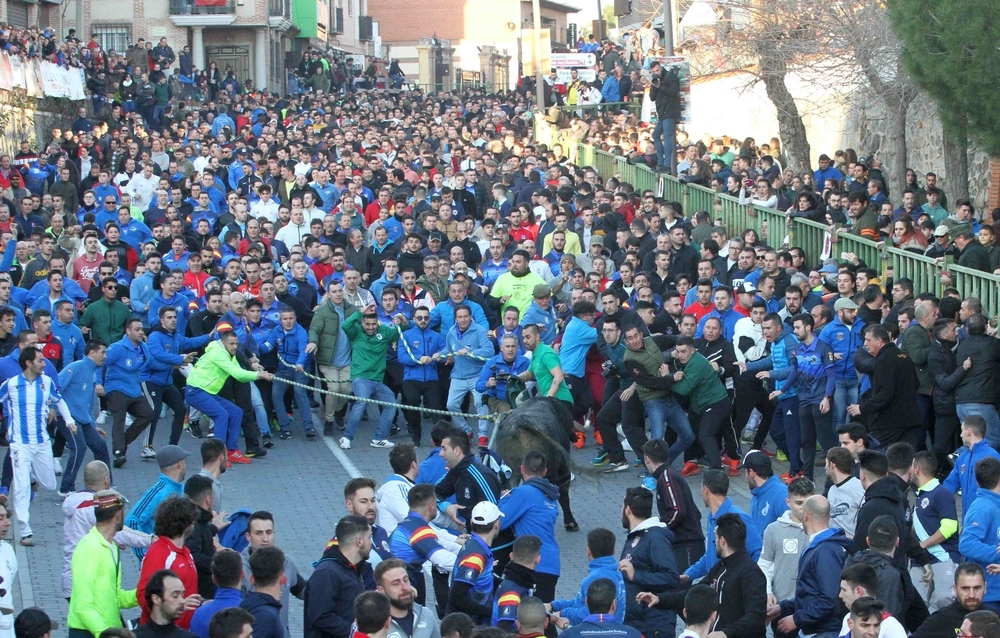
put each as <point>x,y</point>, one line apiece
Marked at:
<point>570,60</point>
<point>565,77</point>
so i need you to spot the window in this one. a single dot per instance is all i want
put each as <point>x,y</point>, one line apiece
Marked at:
<point>115,37</point>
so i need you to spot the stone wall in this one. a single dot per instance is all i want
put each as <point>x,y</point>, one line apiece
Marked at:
<point>866,129</point>
<point>25,118</point>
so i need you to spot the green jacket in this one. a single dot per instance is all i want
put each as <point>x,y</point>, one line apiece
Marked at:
<point>917,345</point>
<point>325,330</point>
<point>98,597</point>
<point>700,382</point>
<point>106,320</point>
<point>214,367</point>
<point>649,359</point>
<point>369,353</point>
<point>437,290</point>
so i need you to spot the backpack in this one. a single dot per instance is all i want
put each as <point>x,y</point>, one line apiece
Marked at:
<point>233,535</point>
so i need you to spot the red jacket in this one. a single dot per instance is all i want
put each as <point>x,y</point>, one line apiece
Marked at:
<point>163,554</point>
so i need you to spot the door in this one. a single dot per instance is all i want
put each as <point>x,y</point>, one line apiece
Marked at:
<point>17,14</point>
<point>236,58</point>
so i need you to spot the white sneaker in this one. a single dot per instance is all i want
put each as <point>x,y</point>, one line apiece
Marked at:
<point>148,453</point>
<point>57,466</point>
<point>384,443</point>
<point>345,443</point>
<point>102,418</point>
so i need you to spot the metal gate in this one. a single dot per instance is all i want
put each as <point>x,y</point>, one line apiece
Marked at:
<point>17,13</point>
<point>236,58</point>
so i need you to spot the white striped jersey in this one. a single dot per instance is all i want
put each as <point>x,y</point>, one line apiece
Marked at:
<point>26,406</point>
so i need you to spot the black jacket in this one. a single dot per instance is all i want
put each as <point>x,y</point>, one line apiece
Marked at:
<point>943,622</point>
<point>518,580</point>
<point>742,599</point>
<point>882,497</point>
<point>201,543</point>
<point>684,261</point>
<point>676,506</point>
<point>666,95</point>
<point>980,384</point>
<point>895,589</point>
<point>976,257</point>
<point>947,374</point>
<point>471,483</point>
<point>650,549</point>
<point>330,594</point>
<point>892,404</point>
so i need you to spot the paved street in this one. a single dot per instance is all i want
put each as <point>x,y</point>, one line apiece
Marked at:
<point>301,482</point>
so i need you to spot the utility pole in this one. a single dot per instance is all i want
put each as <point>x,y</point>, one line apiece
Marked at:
<point>536,11</point>
<point>668,27</point>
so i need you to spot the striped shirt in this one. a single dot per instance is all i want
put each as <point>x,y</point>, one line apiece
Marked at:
<point>26,405</point>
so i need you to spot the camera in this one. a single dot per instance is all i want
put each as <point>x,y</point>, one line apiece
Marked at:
<point>610,370</point>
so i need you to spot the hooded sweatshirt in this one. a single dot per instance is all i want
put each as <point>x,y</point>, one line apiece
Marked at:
<point>784,542</point>
<point>532,508</point>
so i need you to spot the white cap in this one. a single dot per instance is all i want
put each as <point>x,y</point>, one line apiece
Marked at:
<point>485,513</point>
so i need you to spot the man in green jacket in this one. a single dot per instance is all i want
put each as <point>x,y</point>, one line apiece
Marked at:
<point>370,343</point>
<point>105,318</point>
<point>332,348</point>
<point>97,596</point>
<point>207,378</point>
<point>710,406</point>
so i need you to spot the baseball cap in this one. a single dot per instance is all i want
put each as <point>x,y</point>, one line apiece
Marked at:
<point>756,460</point>
<point>746,288</point>
<point>597,240</point>
<point>844,304</point>
<point>435,196</point>
<point>109,499</point>
<point>829,269</point>
<point>482,514</point>
<point>941,231</point>
<point>35,623</point>
<point>541,290</point>
<point>435,236</point>
<point>170,454</point>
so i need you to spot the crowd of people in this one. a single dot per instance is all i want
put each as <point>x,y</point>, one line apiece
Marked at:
<point>234,266</point>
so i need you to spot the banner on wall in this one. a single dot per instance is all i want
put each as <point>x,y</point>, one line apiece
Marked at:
<point>42,79</point>
<point>17,71</point>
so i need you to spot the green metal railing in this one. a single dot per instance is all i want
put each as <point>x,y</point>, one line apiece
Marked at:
<point>813,237</point>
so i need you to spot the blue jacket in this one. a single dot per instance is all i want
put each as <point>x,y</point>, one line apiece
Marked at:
<point>491,271</point>
<point>753,544</point>
<point>499,391</point>
<point>843,340</point>
<point>821,176</point>
<point>225,597</point>
<point>728,319</point>
<point>978,542</point>
<point>180,302</point>
<point>545,318</point>
<point>291,346</point>
<point>577,339</point>
<point>781,362</point>
<point>72,340</point>
<point>142,516</point>
<point>649,548</point>
<point>443,315</point>
<point>477,342</point>
<point>78,380</point>
<point>266,612</point>
<point>135,234</point>
<point>71,289</point>
<point>611,91</point>
<point>165,351</point>
<point>575,609</point>
<point>532,508</point>
<point>140,293</point>
<point>963,475</point>
<point>767,502</point>
<point>124,366</point>
<point>818,585</point>
<point>432,469</point>
<point>416,343</point>
<point>379,285</point>
<point>598,626</point>
<point>42,302</point>
<point>816,377</point>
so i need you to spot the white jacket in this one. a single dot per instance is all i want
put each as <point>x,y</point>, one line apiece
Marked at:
<point>8,571</point>
<point>291,234</point>
<point>78,519</point>
<point>141,189</point>
<point>745,327</point>
<point>392,506</point>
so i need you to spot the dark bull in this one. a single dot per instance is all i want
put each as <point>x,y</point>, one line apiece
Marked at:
<point>543,424</point>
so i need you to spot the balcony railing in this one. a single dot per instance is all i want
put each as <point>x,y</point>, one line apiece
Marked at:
<point>279,8</point>
<point>202,7</point>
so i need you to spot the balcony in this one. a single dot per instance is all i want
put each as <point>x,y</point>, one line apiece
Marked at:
<point>202,13</point>
<point>279,14</point>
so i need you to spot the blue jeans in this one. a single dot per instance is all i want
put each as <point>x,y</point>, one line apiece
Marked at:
<point>668,411</point>
<point>989,412</point>
<point>257,401</point>
<point>76,448</point>
<point>786,419</point>
<point>368,389</point>
<point>845,394</point>
<point>278,390</point>
<point>226,417</point>
<point>665,141</point>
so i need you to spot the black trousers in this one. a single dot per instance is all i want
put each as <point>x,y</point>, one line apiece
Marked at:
<point>121,404</point>
<point>171,395</point>
<point>716,421</point>
<point>583,398</point>
<point>608,418</point>
<point>414,392</point>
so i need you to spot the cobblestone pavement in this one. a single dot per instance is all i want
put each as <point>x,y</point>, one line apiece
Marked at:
<point>301,483</point>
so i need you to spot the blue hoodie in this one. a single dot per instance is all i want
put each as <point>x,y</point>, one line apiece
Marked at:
<point>978,542</point>
<point>290,344</point>
<point>225,597</point>
<point>124,366</point>
<point>476,341</point>
<point>843,340</point>
<point>728,319</point>
<point>266,612</point>
<point>532,508</point>
<point>78,380</point>
<point>414,344</point>
<point>72,341</point>
<point>165,350</point>
<point>575,609</point>
<point>818,585</point>
<point>767,502</point>
<point>709,559</point>
<point>963,475</point>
